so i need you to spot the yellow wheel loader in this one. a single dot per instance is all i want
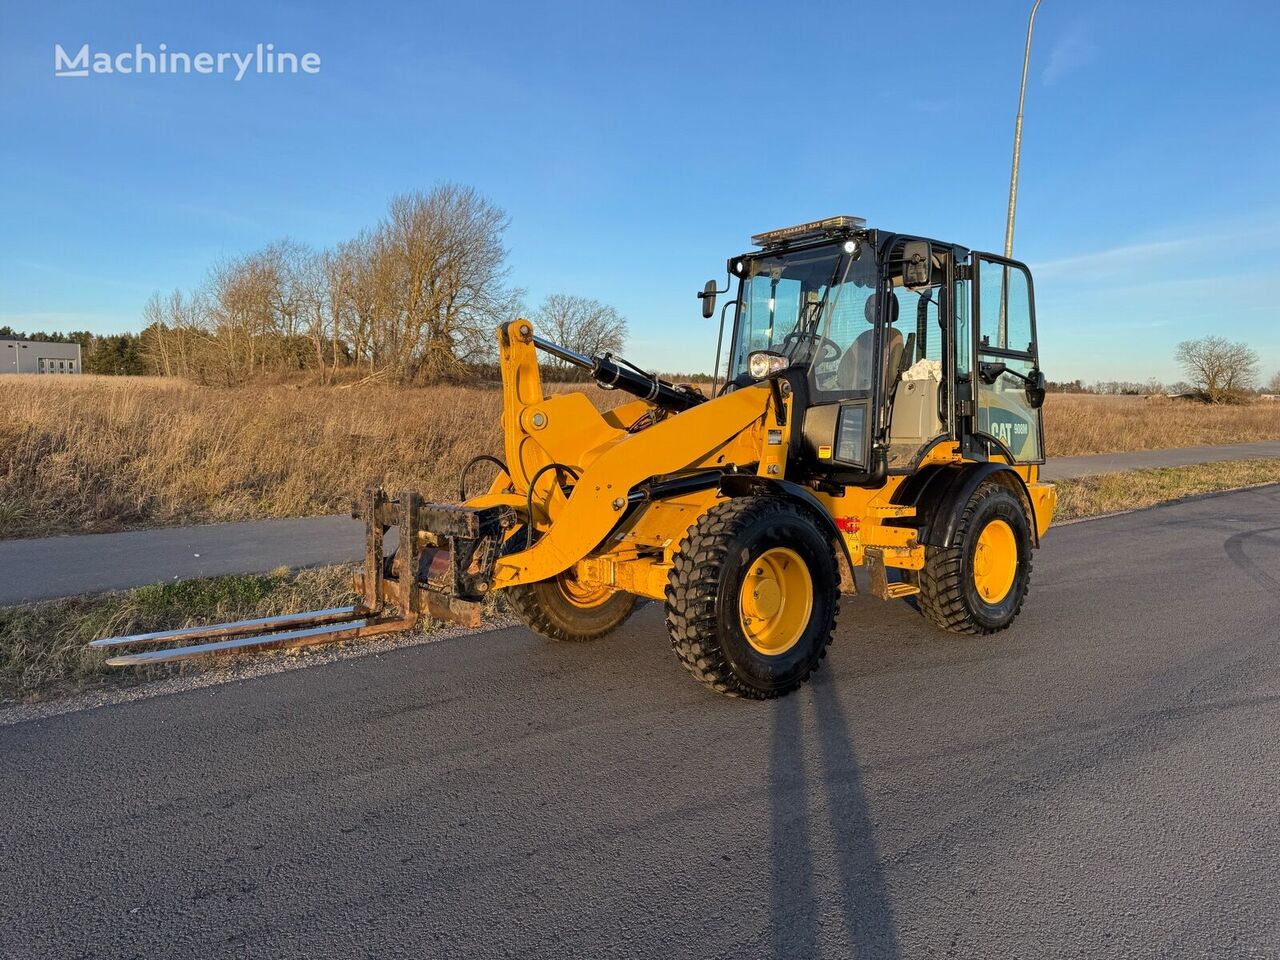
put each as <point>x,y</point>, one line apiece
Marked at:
<point>881,409</point>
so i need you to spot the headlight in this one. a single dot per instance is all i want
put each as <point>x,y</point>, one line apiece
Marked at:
<point>764,364</point>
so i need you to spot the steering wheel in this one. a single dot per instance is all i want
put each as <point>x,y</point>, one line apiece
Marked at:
<point>828,350</point>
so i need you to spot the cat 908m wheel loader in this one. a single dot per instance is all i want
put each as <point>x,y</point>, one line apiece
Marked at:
<point>881,410</point>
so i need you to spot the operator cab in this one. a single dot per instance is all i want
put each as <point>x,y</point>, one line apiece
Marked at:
<point>876,334</point>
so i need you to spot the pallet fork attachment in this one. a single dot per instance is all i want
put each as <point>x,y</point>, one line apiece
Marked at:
<point>442,567</point>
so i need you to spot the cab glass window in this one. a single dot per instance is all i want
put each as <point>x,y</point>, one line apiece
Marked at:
<point>1006,308</point>
<point>1006,355</point>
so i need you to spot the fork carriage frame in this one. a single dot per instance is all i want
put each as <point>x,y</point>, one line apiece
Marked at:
<point>448,579</point>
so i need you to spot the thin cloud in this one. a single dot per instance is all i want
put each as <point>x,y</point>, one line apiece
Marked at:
<point>1116,259</point>
<point>1074,50</point>
<point>1124,258</point>
<point>927,105</point>
<point>35,266</point>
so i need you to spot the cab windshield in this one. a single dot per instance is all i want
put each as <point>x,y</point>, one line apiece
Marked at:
<point>814,307</point>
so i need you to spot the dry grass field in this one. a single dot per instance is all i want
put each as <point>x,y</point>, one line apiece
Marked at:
<point>1135,489</point>
<point>108,453</point>
<point>1077,424</point>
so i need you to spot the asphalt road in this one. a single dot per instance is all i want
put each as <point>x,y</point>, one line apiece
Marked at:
<point>1099,781</point>
<point>50,567</point>
<point>40,569</point>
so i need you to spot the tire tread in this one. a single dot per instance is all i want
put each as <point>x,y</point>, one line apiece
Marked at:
<point>528,606</point>
<point>693,586</point>
<point>941,597</point>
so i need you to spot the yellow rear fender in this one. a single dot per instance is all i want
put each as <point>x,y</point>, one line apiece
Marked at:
<point>940,493</point>
<point>600,496</point>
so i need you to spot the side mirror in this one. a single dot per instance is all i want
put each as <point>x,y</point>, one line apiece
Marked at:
<point>1036,386</point>
<point>917,264</point>
<point>708,298</point>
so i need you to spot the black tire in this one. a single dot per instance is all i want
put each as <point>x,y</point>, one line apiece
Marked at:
<point>706,582</point>
<point>949,595</point>
<point>546,608</point>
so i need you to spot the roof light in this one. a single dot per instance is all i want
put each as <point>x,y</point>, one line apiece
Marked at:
<point>812,229</point>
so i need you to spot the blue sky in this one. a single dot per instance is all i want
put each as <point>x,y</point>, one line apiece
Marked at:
<point>636,146</point>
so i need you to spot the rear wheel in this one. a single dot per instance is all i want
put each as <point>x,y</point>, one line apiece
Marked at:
<point>978,584</point>
<point>564,609</point>
<point>752,597</point>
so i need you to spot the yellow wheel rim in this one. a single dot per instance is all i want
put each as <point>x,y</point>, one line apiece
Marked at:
<point>775,601</point>
<point>995,561</point>
<point>583,595</point>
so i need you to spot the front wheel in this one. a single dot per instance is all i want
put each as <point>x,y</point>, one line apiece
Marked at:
<point>564,609</point>
<point>752,597</point>
<point>978,584</point>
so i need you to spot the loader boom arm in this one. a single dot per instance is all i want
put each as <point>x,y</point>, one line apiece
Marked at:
<point>610,462</point>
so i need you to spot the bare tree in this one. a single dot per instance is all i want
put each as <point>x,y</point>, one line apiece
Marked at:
<point>420,295</point>
<point>339,284</point>
<point>1273,385</point>
<point>244,305</point>
<point>169,342</point>
<point>1217,366</point>
<point>583,325</point>
<point>358,300</point>
<point>155,337</point>
<point>442,273</point>
<point>294,283</point>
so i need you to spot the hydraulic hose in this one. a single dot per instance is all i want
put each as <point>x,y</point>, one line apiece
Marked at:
<point>482,458</point>
<point>528,499</point>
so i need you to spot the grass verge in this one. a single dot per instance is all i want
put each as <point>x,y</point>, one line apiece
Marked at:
<point>1134,489</point>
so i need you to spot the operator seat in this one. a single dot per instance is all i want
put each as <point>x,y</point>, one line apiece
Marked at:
<point>855,370</point>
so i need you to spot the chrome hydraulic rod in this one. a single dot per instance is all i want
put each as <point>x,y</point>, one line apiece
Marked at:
<point>564,353</point>
<point>612,374</point>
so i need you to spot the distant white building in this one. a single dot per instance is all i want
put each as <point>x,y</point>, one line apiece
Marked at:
<point>37,356</point>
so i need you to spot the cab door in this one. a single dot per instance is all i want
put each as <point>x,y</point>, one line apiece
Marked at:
<point>1005,352</point>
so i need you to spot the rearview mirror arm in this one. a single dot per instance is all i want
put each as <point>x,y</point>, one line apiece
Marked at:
<point>1026,378</point>
<point>715,372</point>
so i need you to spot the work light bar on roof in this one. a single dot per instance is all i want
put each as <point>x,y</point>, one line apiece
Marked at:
<point>808,231</point>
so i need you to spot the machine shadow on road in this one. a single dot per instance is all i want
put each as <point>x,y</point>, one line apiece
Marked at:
<point>862,902</point>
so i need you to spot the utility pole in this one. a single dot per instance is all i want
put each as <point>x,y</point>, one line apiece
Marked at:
<point>1013,175</point>
<point>1017,136</point>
